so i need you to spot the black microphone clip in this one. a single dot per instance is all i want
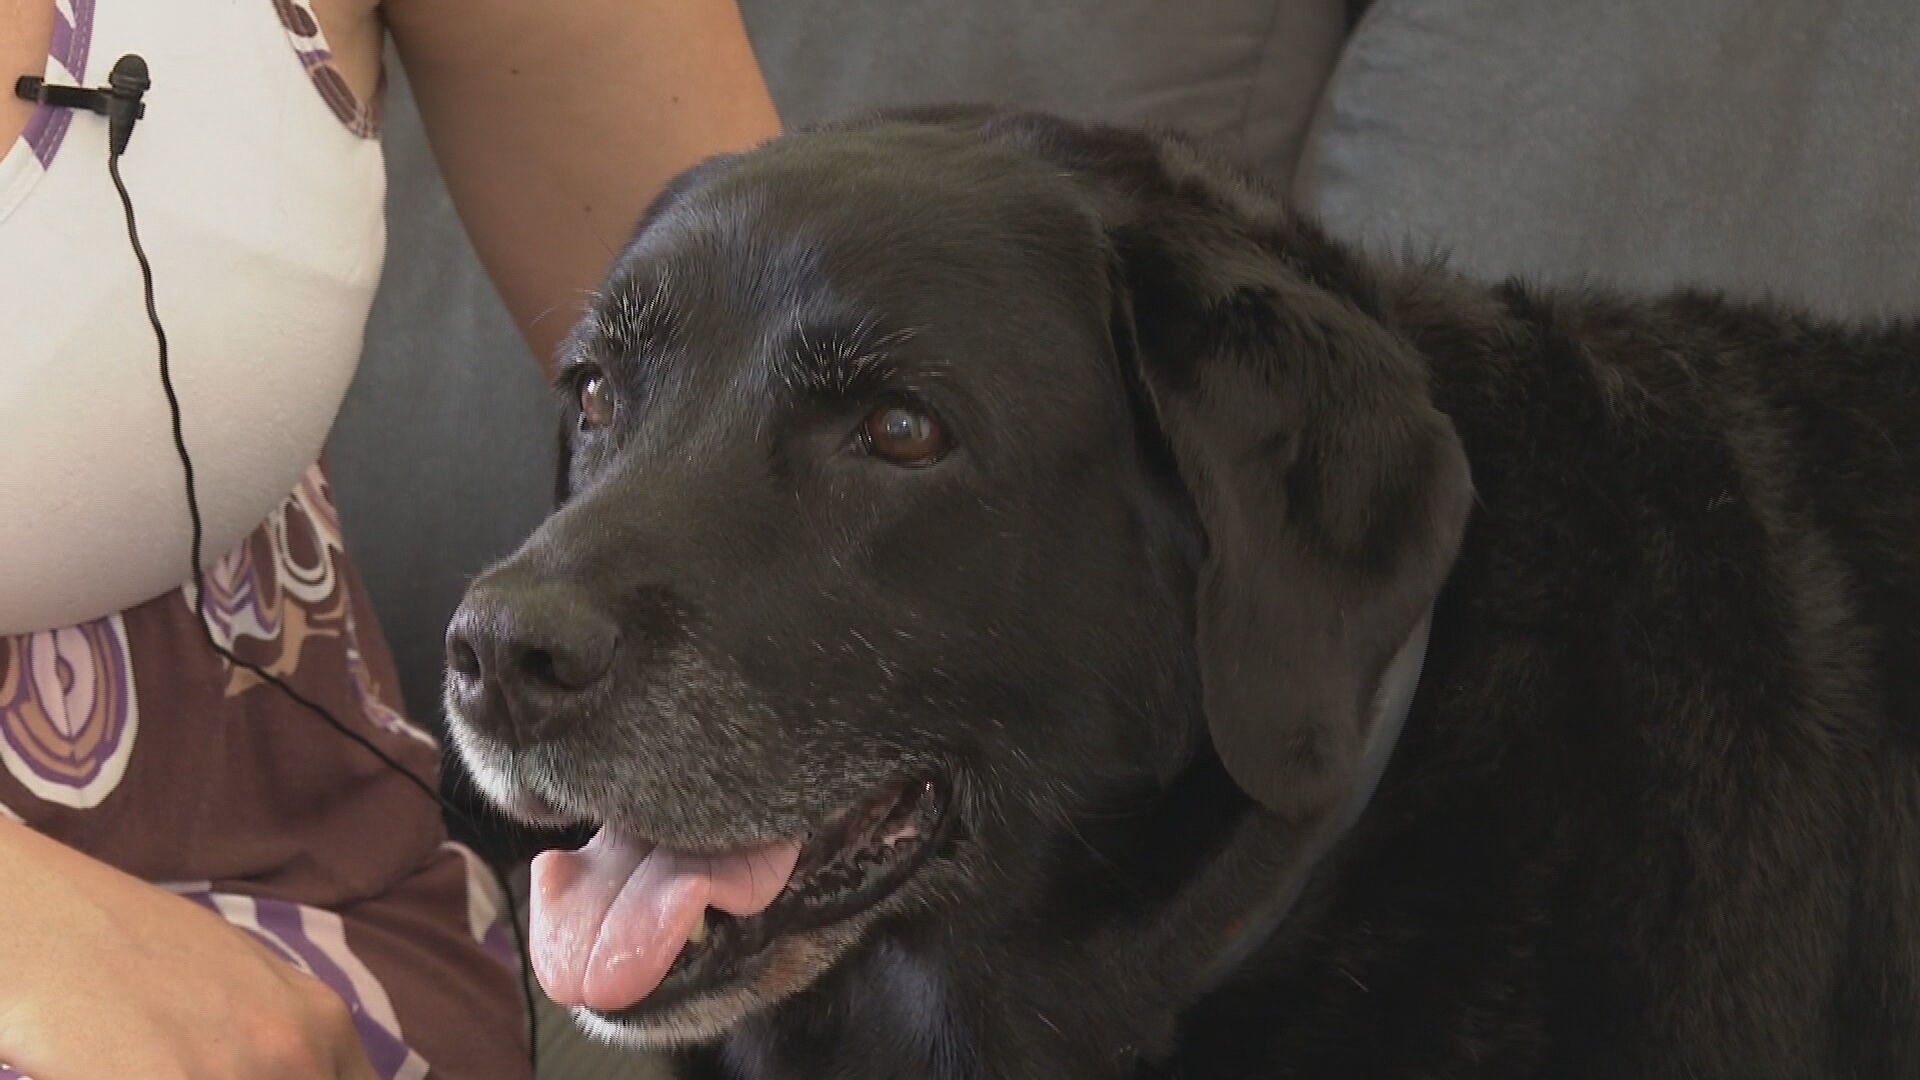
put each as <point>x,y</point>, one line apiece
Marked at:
<point>118,101</point>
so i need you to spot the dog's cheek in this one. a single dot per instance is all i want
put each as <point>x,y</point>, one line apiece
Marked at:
<point>946,567</point>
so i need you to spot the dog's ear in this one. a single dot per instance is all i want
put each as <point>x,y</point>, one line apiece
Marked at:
<point>1332,493</point>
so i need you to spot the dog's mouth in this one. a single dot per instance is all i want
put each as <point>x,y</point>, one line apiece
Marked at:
<point>628,929</point>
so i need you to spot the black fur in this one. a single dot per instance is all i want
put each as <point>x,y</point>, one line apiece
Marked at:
<point>1656,809</point>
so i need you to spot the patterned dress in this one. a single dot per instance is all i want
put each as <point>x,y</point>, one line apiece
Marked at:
<point>128,739</point>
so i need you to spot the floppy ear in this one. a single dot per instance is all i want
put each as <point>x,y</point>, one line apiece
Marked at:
<point>1333,494</point>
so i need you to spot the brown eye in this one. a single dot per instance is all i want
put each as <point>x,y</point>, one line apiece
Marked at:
<point>900,435</point>
<point>596,402</point>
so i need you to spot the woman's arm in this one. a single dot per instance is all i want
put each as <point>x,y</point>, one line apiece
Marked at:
<point>105,975</point>
<point>556,123</point>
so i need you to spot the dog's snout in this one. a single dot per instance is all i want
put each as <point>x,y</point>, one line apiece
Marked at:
<point>533,643</point>
<point>536,636</point>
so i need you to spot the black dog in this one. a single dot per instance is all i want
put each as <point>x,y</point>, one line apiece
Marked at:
<point>1000,549</point>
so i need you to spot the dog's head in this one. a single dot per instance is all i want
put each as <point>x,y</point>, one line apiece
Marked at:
<point>935,480</point>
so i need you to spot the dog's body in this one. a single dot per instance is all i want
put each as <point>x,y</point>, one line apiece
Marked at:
<point>1655,811</point>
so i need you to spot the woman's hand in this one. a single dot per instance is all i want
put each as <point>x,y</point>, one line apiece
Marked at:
<point>103,975</point>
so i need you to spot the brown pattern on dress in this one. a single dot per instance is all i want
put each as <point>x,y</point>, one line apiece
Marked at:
<point>303,29</point>
<point>284,587</point>
<point>296,18</point>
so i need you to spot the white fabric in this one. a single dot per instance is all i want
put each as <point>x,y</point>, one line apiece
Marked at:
<point>264,220</point>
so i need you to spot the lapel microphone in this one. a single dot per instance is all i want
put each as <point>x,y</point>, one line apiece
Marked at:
<point>118,101</point>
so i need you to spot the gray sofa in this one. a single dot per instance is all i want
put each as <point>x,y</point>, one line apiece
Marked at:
<point>1765,147</point>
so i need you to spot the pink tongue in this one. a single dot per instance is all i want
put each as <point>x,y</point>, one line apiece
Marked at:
<point>609,919</point>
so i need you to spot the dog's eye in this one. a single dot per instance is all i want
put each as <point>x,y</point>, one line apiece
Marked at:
<point>596,402</point>
<point>900,435</point>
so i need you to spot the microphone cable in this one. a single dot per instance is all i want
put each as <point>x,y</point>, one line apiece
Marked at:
<point>123,107</point>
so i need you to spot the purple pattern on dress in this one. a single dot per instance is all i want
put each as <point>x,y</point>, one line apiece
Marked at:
<point>233,590</point>
<point>71,41</point>
<point>487,910</point>
<point>283,929</point>
<point>320,508</point>
<point>63,34</point>
<point>377,711</point>
<point>65,701</point>
<point>500,945</point>
<point>283,920</point>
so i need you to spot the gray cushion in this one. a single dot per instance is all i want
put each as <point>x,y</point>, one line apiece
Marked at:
<point>1764,147</point>
<point>1243,73</point>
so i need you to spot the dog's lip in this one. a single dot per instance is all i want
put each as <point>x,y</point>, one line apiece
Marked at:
<point>797,910</point>
<point>536,810</point>
<point>532,808</point>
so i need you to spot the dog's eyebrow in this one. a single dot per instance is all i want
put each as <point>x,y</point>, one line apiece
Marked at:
<point>631,318</point>
<point>839,357</point>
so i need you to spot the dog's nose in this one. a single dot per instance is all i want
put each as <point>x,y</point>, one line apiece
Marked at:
<point>536,642</point>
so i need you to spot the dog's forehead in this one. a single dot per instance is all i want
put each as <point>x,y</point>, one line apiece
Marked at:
<point>865,210</point>
<point>914,235</point>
